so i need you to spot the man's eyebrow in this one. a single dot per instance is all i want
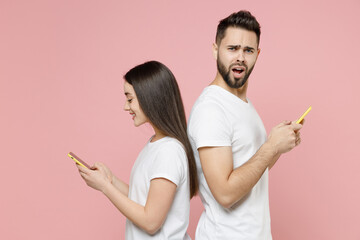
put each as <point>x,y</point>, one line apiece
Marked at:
<point>239,46</point>
<point>127,93</point>
<point>250,48</point>
<point>234,46</point>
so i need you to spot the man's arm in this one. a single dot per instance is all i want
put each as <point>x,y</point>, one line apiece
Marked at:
<point>229,185</point>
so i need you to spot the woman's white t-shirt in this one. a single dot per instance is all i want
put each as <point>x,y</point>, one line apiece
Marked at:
<point>164,158</point>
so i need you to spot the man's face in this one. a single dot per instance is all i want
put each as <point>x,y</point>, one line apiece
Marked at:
<point>236,56</point>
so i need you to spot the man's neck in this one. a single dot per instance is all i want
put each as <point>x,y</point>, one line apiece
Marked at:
<point>239,92</point>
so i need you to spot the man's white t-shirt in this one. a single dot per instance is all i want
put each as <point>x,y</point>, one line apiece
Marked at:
<point>164,158</point>
<point>219,118</point>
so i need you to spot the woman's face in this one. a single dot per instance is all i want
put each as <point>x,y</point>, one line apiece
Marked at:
<point>132,105</point>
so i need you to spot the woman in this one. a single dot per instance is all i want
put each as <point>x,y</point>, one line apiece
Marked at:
<point>163,179</point>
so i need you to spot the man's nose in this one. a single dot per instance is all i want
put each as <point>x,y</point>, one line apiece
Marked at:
<point>240,57</point>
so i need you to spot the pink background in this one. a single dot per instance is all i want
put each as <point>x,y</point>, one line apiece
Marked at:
<point>61,90</point>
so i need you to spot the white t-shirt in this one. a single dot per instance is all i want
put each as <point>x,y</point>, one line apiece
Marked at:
<point>219,118</point>
<point>164,158</point>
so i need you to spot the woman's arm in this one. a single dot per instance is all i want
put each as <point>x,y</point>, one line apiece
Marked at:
<point>119,184</point>
<point>150,217</point>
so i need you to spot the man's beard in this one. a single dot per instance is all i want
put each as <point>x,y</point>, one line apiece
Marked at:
<point>238,82</point>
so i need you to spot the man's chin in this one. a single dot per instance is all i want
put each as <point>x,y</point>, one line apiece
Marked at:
<point>236,83</point>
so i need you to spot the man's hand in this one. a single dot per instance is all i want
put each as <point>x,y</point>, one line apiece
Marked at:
<point>285,137</point>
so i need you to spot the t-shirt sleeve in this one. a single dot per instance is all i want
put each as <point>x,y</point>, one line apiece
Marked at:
<point>209,126</point>
<point>169,163</point>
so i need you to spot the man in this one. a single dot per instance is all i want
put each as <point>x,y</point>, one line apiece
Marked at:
<point>233,153</point>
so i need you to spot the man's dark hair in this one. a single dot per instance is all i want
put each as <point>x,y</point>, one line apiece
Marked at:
<point>159,97</point>
<point>242,19</point>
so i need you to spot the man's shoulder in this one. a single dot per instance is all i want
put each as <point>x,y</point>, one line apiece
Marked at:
<point>209,98</point>
<point>208,108</point>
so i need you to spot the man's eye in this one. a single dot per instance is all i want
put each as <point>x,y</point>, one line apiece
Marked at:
<point>231,48</point>
<point>129,100</point>
<point>249,51</point>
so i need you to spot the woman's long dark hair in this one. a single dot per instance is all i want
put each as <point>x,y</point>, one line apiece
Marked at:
<point>159,97</point>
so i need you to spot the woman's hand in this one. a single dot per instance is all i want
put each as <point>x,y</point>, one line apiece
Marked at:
<point>105,169</point>
<point>98,177</point>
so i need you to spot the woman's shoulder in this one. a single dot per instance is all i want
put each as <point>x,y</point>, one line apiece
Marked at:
<point>170,153</point>
<point>170,143</point>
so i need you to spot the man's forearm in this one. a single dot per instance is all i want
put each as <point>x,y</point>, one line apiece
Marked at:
<point>245,177</point>
<point>275,158</point>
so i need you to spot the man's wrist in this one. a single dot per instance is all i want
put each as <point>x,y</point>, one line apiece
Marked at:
<point>270,149</point>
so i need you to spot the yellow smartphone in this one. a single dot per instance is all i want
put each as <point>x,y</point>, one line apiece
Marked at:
<point>303,116</point>
<point>78,160</point>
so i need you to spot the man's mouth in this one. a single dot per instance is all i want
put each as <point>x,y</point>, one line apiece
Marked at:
<point>238,71</point>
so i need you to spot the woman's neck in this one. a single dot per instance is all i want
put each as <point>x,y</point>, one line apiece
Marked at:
<point>158,134</point>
